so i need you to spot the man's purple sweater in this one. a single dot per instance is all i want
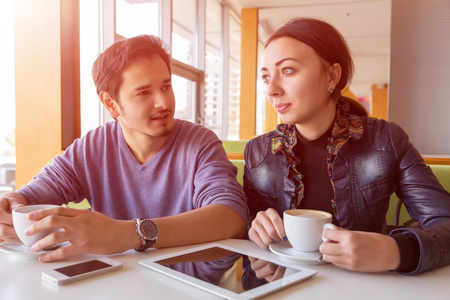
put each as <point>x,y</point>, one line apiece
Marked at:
<point>191,170</point>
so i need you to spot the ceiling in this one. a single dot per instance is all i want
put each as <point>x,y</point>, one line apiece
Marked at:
<point>365,24</point>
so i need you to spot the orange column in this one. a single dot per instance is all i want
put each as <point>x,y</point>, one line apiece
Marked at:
<point>380,101</point>
<point>271,118</point>
<point>249,53</point>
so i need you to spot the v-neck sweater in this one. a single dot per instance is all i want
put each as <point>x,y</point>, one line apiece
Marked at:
<point>191,170</point>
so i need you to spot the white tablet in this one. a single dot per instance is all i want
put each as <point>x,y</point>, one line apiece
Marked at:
<point>212,267</point>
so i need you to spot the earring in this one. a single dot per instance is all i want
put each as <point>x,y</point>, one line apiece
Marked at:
<point>330,90</point>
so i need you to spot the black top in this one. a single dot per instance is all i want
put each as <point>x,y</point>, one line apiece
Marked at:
<point>318,191</point>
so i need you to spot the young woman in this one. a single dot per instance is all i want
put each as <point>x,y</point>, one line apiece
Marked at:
<point>328,155</point>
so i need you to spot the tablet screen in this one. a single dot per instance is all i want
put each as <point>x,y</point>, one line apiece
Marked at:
<point>215,266</point>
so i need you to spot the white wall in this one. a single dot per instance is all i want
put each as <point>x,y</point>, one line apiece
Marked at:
<point>419,89</point>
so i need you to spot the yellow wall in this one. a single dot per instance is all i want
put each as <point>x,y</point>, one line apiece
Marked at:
<point>39,87</point>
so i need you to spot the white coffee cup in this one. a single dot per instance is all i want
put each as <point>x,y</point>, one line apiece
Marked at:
<point>21,222</point>
<point>304,228</point>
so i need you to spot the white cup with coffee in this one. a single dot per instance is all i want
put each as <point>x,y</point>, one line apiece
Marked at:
<point>304,228</point>
<point>21,222</point>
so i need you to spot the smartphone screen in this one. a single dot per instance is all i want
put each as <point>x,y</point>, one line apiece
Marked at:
<point>82,268</point>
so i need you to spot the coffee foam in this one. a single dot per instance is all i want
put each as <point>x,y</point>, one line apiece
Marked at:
<point>308,214</point>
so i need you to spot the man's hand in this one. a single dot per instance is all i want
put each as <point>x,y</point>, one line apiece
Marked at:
<point>267,228</point>
<point>360,251</point>
<point>87,231</point>
<point>9,201</point>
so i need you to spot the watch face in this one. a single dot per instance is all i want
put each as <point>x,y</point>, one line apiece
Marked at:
<point>148,229</point>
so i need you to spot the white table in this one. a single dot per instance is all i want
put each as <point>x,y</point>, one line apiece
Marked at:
<point>21,279</point>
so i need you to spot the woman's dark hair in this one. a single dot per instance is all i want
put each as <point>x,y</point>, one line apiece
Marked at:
<point>355,107</point>
<point>326,40</point>
<point>109,66</point>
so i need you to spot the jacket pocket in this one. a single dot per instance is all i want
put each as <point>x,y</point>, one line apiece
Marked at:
<point>376,196</point>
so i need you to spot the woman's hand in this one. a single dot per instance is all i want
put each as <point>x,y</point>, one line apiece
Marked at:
<point>360,251</point>
<point>266,270</point>
<point>267,228</point>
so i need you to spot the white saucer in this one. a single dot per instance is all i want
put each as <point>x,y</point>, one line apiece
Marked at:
<point>285,250</point>
<point>17,248</point>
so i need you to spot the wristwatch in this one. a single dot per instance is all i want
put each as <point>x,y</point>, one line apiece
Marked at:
<point>148,231</point>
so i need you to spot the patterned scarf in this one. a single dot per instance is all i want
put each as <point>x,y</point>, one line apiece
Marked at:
<point>346,126</point>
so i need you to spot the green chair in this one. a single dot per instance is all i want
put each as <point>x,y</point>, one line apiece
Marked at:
<point>234,146</point>
<point>82,205</point>
<point>235,152</point>
<point>239,163</point>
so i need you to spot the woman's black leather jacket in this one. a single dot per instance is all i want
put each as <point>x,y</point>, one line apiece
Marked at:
<point>365,173</point>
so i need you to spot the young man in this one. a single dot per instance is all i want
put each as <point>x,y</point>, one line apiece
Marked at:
<point>151,180</point>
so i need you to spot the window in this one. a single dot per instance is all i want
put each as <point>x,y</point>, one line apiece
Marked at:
<point>7,104</point>
<point>213,68</point>
<point>222,71</point>
<point>89,48</point>
<point>184,90</point>
<point>136,17</point>
<point>234,78</point>
<point>205,65</point>
<point>184,31</point>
